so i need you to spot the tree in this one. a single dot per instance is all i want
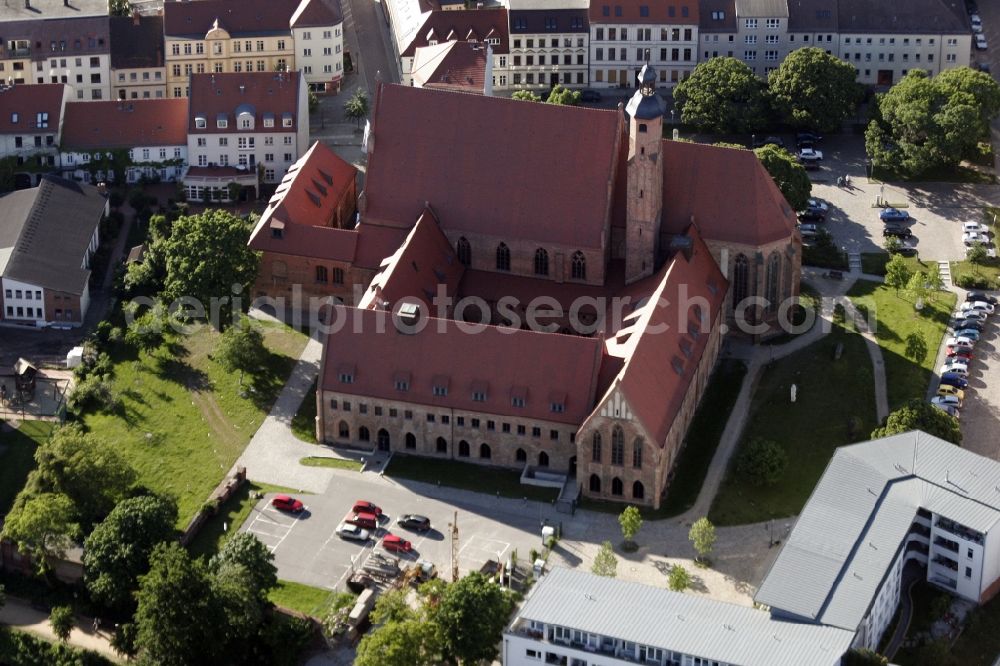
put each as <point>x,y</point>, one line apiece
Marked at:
<point>763,462</point>
<point>916,286</point>
<point>565,96</point>
<point>631,522</point>
<point>723,96</point>
<point>977,255</point>
<point>525,96</point>
<point>407,643</point>
<point>119,8</point>
<point>892,244</point>
<point>605,562</point>
<point>790,176</point>
<point>43,526</point>
<point>470,618</point>
<point>117,552</point>
<point>923,122</point>
<point>392,607</point>
<point>678,578</point>
<point>919,415</point>
<point>702,536</point>
<point>222,236</point>
<point>246,550</point>
<point>897,273</point>
<point>813,89</point>
<point>241,347</point>
<point>146,332</point>
<point>916,348</point>
<point>313,102</point>
<point>179,616</point>
<point>864,657</point>
<point>87,470</point>
<point>61,619</point>
<point>356,108</point>
<point>933,276</point>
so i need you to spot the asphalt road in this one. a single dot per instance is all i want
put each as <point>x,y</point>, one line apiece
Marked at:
<point>367,35</point>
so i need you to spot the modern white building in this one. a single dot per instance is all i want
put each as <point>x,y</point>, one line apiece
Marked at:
<point>625,34</point>
<point>318,33</point>
<point>243,129</point>
<point>548,44</point>
<point>575,618</point>
<point>879,506</point>
<point>152,133</point>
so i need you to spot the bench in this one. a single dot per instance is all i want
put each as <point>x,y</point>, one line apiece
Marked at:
<point>835,275</point>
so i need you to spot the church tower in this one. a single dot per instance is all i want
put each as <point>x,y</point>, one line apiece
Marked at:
<point>645,177</point>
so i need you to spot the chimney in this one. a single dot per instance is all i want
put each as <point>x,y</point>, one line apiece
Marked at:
<point>488,77</point>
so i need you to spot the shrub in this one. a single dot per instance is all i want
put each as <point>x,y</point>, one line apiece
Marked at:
<point>967,281</point>
<point>763,462</point>
<point>678,578</point>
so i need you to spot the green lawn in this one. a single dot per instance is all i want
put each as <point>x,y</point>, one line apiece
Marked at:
<point>185,420</point>
<point>809,299</point>
<point>218,529</point>
<point>990,269</point>
<point>17,458</point>
<point>895,320</point>
<point>467,476</point>
<point>304,421</point>
<point>873,263</point>
<point>835,405</point>
<point>303,598</point>
<point>336,463</point>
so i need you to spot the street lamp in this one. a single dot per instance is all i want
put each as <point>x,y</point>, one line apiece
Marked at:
<point>671,116</point>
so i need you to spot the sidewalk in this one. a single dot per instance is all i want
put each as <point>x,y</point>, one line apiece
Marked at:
<point>18,614</point>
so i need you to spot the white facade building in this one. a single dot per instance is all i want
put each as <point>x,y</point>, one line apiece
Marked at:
<point>318,33</point>
<point>548,45</point>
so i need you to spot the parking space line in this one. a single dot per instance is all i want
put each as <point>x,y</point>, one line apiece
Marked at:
<point>284,537</point>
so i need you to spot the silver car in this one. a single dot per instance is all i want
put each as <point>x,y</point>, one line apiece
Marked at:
<point>352,532</point>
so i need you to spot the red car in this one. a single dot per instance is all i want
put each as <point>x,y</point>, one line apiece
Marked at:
<point>368,521</point>
<point>396,544</point>
<point>364,506</point>
<point>961,352</point>
<point>287,503</point>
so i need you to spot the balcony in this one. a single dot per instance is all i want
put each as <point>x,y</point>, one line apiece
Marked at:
<point>921,528</point>
<point>946,562</point>
<point>947,544</point>
<point>959,530</point>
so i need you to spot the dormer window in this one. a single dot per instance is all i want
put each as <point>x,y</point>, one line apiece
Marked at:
<point>479,396</point>
<point>42,119</point>
<point>277,232</point>
<point>517,401</point>
<point>221,122</point>
<point>345,374</point>
<point>518,396</point>
<point>13,117</point>
<point>557,407</point>
<point>200,122</point>
<point>268,120</point>
<point>402,381</point>
<point>441,391</point>
<point>439,385</point>
<point>246,123</point>
<point>286,120</point>
<point>557,402</point>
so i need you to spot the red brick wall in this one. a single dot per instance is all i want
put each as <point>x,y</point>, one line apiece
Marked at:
<point>302,271</point>
<point>55,300</point>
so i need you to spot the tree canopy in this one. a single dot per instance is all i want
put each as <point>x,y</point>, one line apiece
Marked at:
<point>247,551</point>
<point>790,176</point>
<point>356,108</point>
<point>605,563</point>
<point>631,522</point>
<point>44,525</point>
<point>920,415</point>
<point>897,273</point>
<point>241,347</point>
<point>562,95</point>
<point>813,89</point>
<point>470,617</point>
<point>724,96</point>
<point>763,462</point>
<point>117,552</point>
<point>525,96</point>
<point>923,122</point>
<point>702,536</point>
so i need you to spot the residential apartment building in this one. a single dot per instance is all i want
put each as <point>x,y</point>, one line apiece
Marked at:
<point>548,44</point>
<point>625,34</point>
<point>137,64</point>
<point>243,129</point>
<point>48,235</point>
<point>224,36</point>
<point>75,51</point>
<point>318,33</point>
<point>882,40</point>
<point>152,131</point>
<point>30,126</point>
<point>576,618</point>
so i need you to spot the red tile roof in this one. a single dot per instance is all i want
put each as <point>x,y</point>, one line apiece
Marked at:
<point>26,102</point>
<point>727,191</point>
<point>661,365</point>
<point>311,188</point>
<point>376,243</point>
<point>466,25</point>
<point>455,66</point>
<point>246,17</point>
<point>125,124</point>
<point>136,42</point>
<point>300,240</point>
<point>317,13</point>
<point>658,11</point>
<point>463,356</point>
<point>425,261</point>
<point>492,166</point>
<point>217,95</point>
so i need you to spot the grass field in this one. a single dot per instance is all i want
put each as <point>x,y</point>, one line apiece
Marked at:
<point>896,319</point>
<point>218,529</point>
<point>466,476</point>
<point>303,598</point>
<point>17,458</point>
<point>873,263</point>
<point>835,405</point>
<point>185,420</point>
<point>304,421</point>
<point>336,463</point>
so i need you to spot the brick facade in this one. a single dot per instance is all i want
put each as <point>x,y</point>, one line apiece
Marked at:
<point>280,273</point>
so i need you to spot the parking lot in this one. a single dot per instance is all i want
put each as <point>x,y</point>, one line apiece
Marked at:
<point>307,549</point>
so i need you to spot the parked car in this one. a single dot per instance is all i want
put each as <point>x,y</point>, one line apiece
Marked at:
<point>366,520</point>
<point>364,506</point>
<point>947,409</point>
<point>970,238</point>
<point>981,44</point>
<point>974,226</point>
<point>970,333</point>
<point>905,250</point>
<point>956,367</point>
<point>287,503</point>
<point>809,234</point>
<point>964,353</point>
<point>948,389</point>
<point>352,532</point>
<point>981,296</point>
<point>983,67</point>
<point>952,379</point>
<point>897,231</point>
<point>807,138</point>
<point>590,96</point>
<point>809,228</point>
<point>769,141</point>
<point>413,521</point>
<point>976,22</point>
<point>810,157</point>
<point>976,306</point>
<point>816,209</point>
<point>958,342</point>
<point>960,322</point>
<point>894,215</point>
<point>396,544</point>
<point>949,400</point>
